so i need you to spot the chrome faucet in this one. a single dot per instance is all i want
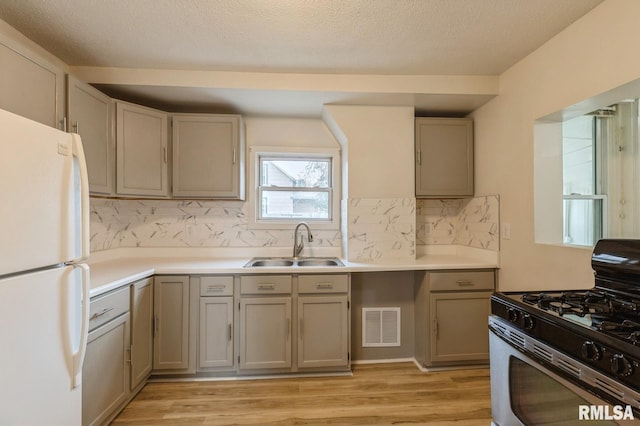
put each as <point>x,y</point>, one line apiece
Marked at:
<point>297,247</point>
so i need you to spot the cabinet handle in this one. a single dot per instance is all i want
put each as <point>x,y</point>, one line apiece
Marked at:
<point>130,351</point>
<point>101,313</point>
<point>464,283</point>
<point>63,124</point>
<point>155,325</point>
<point>230,333</point>
<point>287,329</point>
<point>419,157</point>
<point>234,155</point>
<point>164,155</point>
<point>218,288</point>
<point>266,287</point>
<point>301,328</point>
<point>435,327</point>
<point>76,128</point>
<point>324,286</point>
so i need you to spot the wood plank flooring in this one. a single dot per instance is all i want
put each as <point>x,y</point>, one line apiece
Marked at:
<point>379,394</point>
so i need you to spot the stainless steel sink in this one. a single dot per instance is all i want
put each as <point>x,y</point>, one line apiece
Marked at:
<point>262,262</point>
<point>271,262</point>
<point>320,262</point>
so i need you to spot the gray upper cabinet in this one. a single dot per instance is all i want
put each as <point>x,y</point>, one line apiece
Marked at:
<point>29,85</point>
<point>208,156</point>
<point>444,157</point>
<point>90,114</point>
<point>142,151</point>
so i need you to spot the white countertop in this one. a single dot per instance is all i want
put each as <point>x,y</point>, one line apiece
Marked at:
<point>120,267</point>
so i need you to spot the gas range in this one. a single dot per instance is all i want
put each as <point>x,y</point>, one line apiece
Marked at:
<point>600,326</point>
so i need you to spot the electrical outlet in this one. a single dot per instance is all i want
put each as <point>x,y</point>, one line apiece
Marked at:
<point>506,231</point>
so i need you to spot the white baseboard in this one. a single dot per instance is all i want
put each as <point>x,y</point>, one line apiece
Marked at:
<point>382,361</point>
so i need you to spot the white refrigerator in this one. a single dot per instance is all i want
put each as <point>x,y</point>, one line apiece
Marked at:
<point>44,284</point>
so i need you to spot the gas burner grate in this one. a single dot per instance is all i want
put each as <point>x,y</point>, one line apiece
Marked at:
<point>582,303</point>
<point>625,329</point>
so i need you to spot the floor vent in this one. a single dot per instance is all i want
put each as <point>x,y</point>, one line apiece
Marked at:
<point>380,327</point>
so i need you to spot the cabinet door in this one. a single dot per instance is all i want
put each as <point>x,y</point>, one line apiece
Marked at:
<point>30,86</point>
<point>141,144</point>
<point>208,159</point>
<point>90,115</point>
<point>459,326</point>
<point>141,331</point>
<point>444,157</point>
<point>323,331</point>
<point>171,311</point>
<point>105,372</point>
<point>265,332</point>
<point>216,332</point>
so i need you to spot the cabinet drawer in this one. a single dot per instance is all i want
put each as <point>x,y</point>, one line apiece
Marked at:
<point>323,284</point>
<point>216,286</point>
<point>461,280</point>
<point>265,284</point>
<point>103,309</point>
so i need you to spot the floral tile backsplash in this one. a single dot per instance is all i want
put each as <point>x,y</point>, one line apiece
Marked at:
<point>177,223</point>
<point>470,222</point>
<point>376,229</point>
<point>381,229</point>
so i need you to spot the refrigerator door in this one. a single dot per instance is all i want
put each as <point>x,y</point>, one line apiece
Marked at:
<point>45,203</point>
<point>44,317</point>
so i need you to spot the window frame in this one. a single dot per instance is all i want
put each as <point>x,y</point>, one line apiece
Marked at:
<point>294,153</point>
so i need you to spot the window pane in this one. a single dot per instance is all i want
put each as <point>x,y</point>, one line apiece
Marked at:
<point>582,221</point>
<point>293,204</point>
<point>295,173</point>
<point>578,165</point>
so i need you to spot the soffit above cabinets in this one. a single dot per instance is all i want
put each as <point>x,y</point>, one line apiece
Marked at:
<point>334,38</point>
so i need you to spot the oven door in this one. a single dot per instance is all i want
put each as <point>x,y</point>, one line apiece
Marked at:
<point>523,392</point>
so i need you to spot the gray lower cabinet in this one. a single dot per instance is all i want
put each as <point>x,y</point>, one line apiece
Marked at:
<point>106,369</point>
<point>458,330</point>
<point>172,325</point>
<point>216,327</point>
<point>451,312</point>
<point>265,333</point>
<point>141,331</point>
<point>323,321</point>
<point>265,322</point>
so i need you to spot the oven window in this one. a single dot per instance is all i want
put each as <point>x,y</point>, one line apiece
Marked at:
<point>537,399</point>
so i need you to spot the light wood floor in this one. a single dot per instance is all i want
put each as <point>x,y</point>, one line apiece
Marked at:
<point>380,394</point>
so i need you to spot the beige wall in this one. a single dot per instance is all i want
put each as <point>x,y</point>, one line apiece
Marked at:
<point>379,148</point>
<point>595,54</point>
<point>289,132</point>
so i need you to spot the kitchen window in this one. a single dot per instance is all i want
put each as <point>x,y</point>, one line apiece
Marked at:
<point>292,187</point>
<point>583,181</point>
<point>600,170</point>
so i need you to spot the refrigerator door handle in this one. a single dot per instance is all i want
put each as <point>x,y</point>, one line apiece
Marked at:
<point>78,153</point>
<point>78,357</point>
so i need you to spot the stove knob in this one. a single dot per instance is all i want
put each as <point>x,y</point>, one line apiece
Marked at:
<point>513,315</point>
<point>620,366</point>
<point>591,351</point>
<point>529,322</point>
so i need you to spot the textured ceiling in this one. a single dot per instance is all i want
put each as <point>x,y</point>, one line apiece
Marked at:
<point>397,37</point>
